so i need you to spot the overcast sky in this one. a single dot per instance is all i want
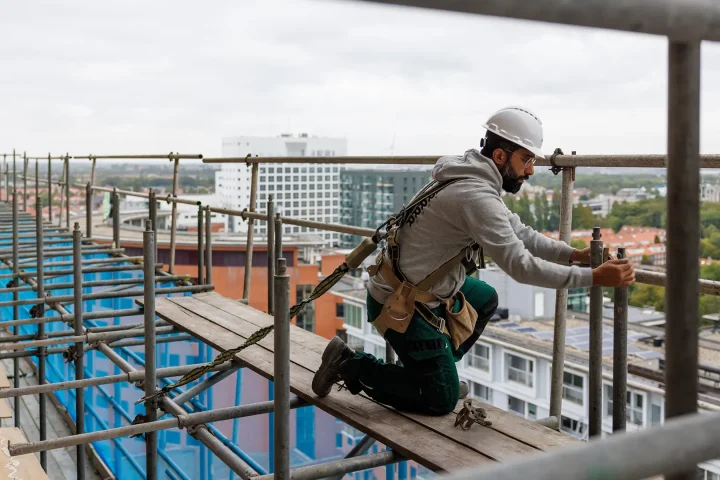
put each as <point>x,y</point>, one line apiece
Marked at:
<point>153,77</point>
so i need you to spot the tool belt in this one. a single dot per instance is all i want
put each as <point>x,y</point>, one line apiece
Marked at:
<point>406,299</point>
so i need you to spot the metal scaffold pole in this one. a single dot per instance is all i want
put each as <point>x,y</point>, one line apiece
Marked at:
<point>683,233</point>
<point>270,252</point>
<point>50,190</point>
<point>115,200</point>
<point>173,216</point>
<point>596,318</point>
<point>200,243</point>
<point>208,245</point>
<point>250,233</point>
<point>281,381</point>
<point>25,169</point>
<point>62,195</point>
<point>41,326</point>
<point>78,353</point>
<point>88,210</point>
<point>67,190</point>
<point>16,311</point>
<point>620,354</point>
<point>561,299</point>
<point>151,444</point>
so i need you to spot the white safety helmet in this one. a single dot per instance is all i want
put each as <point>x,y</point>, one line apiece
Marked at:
<point>518,125</point>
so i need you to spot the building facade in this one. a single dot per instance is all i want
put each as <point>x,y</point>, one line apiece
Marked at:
<point>304,191</point>
<point>370,196</point>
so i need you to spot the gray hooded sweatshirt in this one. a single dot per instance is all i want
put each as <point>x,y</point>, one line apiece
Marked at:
<point>471,210</point>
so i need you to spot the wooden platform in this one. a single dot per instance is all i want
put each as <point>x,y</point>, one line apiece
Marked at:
<point>433,442</point>
<point>23,466</point>
<point>4,382</point>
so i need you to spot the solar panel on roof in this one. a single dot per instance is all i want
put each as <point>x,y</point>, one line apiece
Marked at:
<point>543,335</point>
<point>633,349</point>
<point>507,325</point>
<point>607,351</point>
<point>637,336</point>
<point>582,345</point>
<point>579,338</point>
<point>577,331</point>
<point>648,354</point>
<point>525,330</point>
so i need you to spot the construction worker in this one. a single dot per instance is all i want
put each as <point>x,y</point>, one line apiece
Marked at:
<point>442,321</point>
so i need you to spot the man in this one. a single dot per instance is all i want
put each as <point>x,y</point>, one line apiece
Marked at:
<point>468,211</point>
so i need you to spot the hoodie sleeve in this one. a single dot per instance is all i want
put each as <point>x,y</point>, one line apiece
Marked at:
<point>484,217</point>
<point>538,244</point>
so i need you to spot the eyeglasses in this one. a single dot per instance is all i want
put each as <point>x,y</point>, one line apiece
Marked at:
<point>527,159</point>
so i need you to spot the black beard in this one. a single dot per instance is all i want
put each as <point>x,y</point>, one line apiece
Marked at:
<point>511,181</point>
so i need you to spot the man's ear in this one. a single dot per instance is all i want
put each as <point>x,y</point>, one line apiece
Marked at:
<point>499,157</point>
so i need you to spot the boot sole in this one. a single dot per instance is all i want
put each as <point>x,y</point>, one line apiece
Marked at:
<point>334,348</point>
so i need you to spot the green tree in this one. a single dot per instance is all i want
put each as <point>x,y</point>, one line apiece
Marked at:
<point>646,260</point>
<point>525,211</point>
<point>642,295</point>
<point>542,213</point>
<point>578,243</point>
<point>583,217</point>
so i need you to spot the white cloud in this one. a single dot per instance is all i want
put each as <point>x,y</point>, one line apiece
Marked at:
<point>150,77</point>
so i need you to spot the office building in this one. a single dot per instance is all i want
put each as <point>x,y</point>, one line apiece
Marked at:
<point>370,195</point>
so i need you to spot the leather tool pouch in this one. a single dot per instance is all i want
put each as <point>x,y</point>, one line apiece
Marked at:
<point>460,325</point>
<point>398,310</point>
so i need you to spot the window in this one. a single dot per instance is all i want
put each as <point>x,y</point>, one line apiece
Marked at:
<point>479,357</point>
<point>572,427</point>
<point>573,388</point>
<point>635,407</point>
<point>608,399</point>
<point>339,309</point>
<point>519,369</point>
<point>482,392</point>
<point>353,315</point>
<point>516,405</point>
<point>532,411</point>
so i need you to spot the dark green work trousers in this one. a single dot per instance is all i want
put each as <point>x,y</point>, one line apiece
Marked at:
<point>427,381</point>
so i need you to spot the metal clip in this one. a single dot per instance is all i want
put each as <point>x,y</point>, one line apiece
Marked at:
<point>72,354</point>
<point>469,415</point>
<point>555,169</point>
<point>138,420</point>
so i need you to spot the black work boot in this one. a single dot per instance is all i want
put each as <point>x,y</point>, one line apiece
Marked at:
<point>333,358</point>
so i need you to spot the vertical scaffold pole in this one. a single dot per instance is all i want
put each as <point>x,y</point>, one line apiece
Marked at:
<point>173,216</point>
<point>50,189</point>
<point>620,355</point>
<point>270,252</point>
<point>208,245</point>
<point>250,233</point>
<point>16,310</point>
<point>62,195</point>
<point>152,207</point>
<point>282,372</point>
<point>200,242</point>
<point>596,313</point>
<point>115,201</point>
<point>88,210</point>
<point>37,177</point>
<point>25,172</point>
<point>92,170</point>
<point>561,298</point>
<point>67,189</point>
<point>151,440</point>
<point>683,232</point>
<point>78,354</point>
<point>41,326</point>
<point>278,237</point>
<point>14,182</point>
<point>4,172</point>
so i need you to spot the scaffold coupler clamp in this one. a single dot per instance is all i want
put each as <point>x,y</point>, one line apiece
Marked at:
<point>469,415</point>
<point>12,283</point>
<point>138,420</point>
<point>247,160</point>
<point>555,169</point>
<point>72,354</point>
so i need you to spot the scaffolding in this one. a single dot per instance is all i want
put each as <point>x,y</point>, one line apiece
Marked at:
<point>674,449</point>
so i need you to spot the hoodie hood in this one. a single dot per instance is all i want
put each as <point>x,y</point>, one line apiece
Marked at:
<point>472,165</point>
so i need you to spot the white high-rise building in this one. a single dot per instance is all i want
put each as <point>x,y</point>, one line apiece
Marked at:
<point>306,191</point>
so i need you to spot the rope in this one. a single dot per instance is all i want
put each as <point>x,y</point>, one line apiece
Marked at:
<point>322,288</point>
<point>198,372</point>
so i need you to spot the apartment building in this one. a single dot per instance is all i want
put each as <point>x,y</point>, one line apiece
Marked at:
<point>302,191</point>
